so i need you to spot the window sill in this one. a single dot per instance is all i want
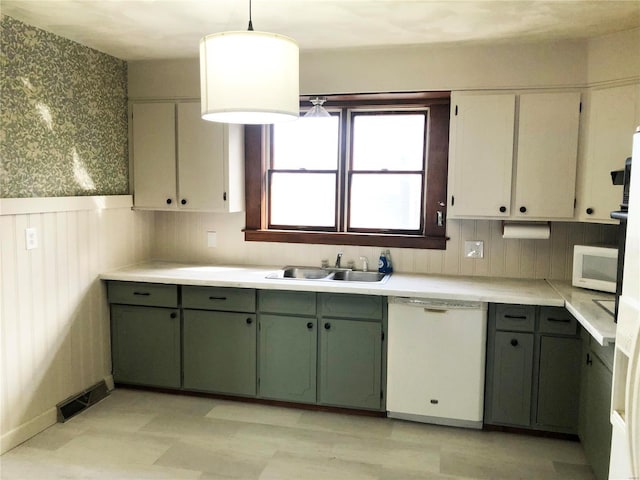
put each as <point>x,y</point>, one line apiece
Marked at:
<point>367,240</point>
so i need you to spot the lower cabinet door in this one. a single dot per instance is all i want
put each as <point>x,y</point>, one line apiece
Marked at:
<point>595,404</point>
<point>512,376</point>
<point>350,363</point>
<point>288,348</point>
<point>145,345</point>
<point>219,352</point>
<point>559,383</point>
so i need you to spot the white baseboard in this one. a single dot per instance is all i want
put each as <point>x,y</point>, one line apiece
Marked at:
<point>27,430</point>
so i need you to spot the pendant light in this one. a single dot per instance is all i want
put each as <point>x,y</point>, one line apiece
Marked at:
<point>317,111</point>
<point>249,77</point>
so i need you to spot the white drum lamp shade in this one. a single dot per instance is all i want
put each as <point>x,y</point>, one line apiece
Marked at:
<point>249,77</point>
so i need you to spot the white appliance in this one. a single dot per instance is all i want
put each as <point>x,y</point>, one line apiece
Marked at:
<point>625,401</point>
<point>436,360</point>
<point>595,267</point>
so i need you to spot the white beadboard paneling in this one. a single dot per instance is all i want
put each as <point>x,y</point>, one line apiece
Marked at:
<point>182,237</point>
<point>55,323</point>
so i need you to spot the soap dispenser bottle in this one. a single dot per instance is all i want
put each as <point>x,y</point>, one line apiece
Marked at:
<point>383,264</point>
<point>389,262</point>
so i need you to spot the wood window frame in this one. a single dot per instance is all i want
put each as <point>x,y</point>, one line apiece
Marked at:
<point>434,236</point>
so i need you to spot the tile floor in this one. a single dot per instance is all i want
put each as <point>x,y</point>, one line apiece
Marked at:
<point>144,435</point>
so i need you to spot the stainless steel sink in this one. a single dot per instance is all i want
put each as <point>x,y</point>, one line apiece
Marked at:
<point>356,276</point>
<point>309,273</point>
<point>328,274</point>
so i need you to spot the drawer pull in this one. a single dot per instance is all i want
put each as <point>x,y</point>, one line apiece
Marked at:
<point>142,294</point>
<point>516,317</point>
<point>559,320</point>
<point>327,326</point>
<point>217,298</point>
<point>514,342</point>
<point>173,315</point>
<point>249,321</point>
<point>310,325</point>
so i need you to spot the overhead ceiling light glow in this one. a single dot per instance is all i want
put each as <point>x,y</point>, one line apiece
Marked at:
<point>249,77</point>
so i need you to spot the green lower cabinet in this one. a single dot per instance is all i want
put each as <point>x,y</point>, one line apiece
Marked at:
<point>595,403</point>
<point>512,376</point>
<point>287,358</point>
<point>350,363</point>
<point>145,345</point>
<point>558,400</point>
<point>219,352</point>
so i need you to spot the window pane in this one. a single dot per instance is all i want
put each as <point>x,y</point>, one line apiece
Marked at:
<point>309,143</point>
<point>388,142</point>
<point>303,199</point>
<point>385,201</point>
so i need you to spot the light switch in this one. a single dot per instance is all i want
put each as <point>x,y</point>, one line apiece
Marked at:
<point>474,249</point>
<point>30,238</point>
<point>211,239</point>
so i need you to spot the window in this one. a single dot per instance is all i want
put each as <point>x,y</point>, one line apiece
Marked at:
<point>374,173</point>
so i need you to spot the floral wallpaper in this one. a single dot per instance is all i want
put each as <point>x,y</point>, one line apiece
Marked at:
<point>63,116</point>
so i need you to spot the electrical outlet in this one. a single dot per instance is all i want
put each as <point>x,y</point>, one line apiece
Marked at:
<point>211,239</point>
<point>474,249</point>
<point>30,238</point>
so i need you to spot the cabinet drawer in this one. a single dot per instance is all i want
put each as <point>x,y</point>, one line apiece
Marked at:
<point>516,318</point>
<point>351,306</point>
<point>219,298</point>
<point>150,294</point>
<point>557,321</point>
<point>277,301</point>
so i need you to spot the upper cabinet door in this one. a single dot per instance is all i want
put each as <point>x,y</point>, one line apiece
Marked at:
<point>612,116</point>
<point>201,175</point>
<point>154,168</point>
<point>481,155</point>
<point>547,150</point>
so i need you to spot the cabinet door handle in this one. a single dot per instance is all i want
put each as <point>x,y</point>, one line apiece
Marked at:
<point>327,326</point>
<point>503,209</point>
<point>173,315</point>
<point>249,321</point>
<point>142,294</point>
<point>589,361</point>
<point>310,325</point>
<point>523,209</point>
<point>559,320</point>
<point>169,201</point>
<point>183,201</point>
<point>516,317</point>
<point>589,211</point>
<point>217,298</point>
<point>514,342</point>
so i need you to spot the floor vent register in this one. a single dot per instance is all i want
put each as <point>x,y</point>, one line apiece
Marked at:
<point>81,401</point>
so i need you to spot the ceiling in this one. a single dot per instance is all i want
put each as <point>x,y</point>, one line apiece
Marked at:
<point>152,29</point>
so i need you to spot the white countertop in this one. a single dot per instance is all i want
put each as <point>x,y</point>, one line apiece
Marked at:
<point>483,289</point>
<point>595,319</point>
<point>578,301</point>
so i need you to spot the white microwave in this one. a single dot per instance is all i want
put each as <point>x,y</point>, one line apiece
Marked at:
<point>595,267</point>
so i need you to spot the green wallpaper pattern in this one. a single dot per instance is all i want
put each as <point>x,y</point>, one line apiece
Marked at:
<point>63,116</point>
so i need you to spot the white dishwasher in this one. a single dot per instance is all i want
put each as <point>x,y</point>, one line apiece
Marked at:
<point>436,361</point>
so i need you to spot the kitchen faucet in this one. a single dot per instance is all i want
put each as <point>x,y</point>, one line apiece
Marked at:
<point>365,264</point>
<point>338,258</point>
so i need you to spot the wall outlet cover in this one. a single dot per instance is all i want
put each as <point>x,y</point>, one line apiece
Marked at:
<point>474,249</point>
<point>30,238</point>
<point>212,239</point>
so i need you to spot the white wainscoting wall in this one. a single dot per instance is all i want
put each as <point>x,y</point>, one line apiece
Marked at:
<point>54,322</point>
<point>182,237</point>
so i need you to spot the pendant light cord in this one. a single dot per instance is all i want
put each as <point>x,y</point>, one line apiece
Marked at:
<point>250,28</point>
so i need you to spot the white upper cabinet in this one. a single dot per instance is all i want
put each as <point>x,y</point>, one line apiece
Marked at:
<point>154,155</point>
<point>181,162</point>
<point>481,155</point>
<point>513,156</point>
<point>547,153</point>
<point>612,116</point>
